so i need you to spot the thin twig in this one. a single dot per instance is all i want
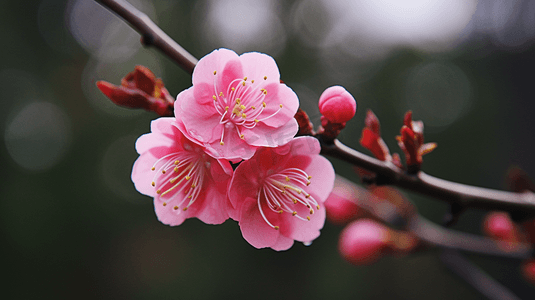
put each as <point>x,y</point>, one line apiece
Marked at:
<point>151,34</point>
<point>474,276</point>
<point>521,204</point>
<point>431,233</point>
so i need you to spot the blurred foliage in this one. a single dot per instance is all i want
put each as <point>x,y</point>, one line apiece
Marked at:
<point>80,230</point>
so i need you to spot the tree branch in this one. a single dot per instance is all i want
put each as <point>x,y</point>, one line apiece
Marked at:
<point>151,34</point>
<point>521,205</point>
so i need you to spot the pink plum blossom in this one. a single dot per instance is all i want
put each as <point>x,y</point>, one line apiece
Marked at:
<point>184,181</point>
<point>237,104</point>
<point>278,194</point>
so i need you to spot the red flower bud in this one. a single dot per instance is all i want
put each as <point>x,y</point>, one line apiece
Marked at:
<point>363,241</point>
<point>371,138</point>
<point>411,141</point>
<point>140,89</point>
<point>340,205</point>
<point>498,225</point>
<point>528,270</point>
<point>337,104</point>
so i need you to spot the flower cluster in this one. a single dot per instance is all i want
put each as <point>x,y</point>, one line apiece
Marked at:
<point>236,112</point>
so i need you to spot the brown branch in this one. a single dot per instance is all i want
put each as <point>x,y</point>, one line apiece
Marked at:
<point>431,233</point>
<point>521,205</point>
<point>151,34</point>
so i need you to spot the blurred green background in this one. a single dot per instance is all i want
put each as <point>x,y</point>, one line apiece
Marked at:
<point>73,226</point>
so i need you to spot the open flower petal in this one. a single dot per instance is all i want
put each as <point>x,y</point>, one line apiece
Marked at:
<point>275,192</point>
<point>237,104</point>
<point>184,181</point>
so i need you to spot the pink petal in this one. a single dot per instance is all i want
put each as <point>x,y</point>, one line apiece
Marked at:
<point>244,184</point>
<point>214,61</point>
<point>232,70</point>
<point>278,94</point>
<point>233,148</point>
<point>302,230</point>
<point>283,243</point>
<point>304,145</point>
<point>253,227</point>
<point>162,134</point>
<point>257,65</point>
<point>171,217</point>
<point>142,174</point>
<point>322,181</point>
<point>265,136</point>
<point>213,209</point>
<point>198,113</point>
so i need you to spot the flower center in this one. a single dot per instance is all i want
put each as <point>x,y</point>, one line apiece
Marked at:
<point>284,193</point>
<point>242,104</point>
<point>178,179</point>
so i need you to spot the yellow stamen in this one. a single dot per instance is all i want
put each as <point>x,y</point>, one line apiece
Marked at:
<point>276,227</point>
<point>153,168</point>
<point>294,213</point>
<point>309,177</point>
<point>176,169</point>
<point>242,107</point>
<point>185,208</point>
<point>253,107</point>
<point>264,104</point>
<point>153,184</point>
<point>175,208</point>
<point>187,177</point>
<point>176,162</point>
<point>189,197</point>
<point>245,79</point>
<point>193,186</point>
<point>242,136</point>
<point>215,72</point>
<point>158,192</point>
<point>311,211</point>
<point>252,81</point>
<point>317,206</point>
<point>308,183</point>
<point>220,94</point>
<point>280,105</point>
<point>308,218</point>
<point>265,77</point>
<point>233,89</point>
<point>243,83</point>
<point>295,201</point>
<point>221,143</point>
<point>226,108</point>
<point>281,211</point>
<point>165,204</point>
<point>238,101</point>
<point>215,98</point>
<point>287,178</point>
<point>243,116</point>
<point>256,120</point>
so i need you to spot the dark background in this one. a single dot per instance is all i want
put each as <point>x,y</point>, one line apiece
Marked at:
<point>72,224</point>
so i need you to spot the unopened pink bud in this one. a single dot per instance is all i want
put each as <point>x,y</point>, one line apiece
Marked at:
<point>362,241</point>
<point>499,225</point>
<point>337,104</point>
<point>340,205</point>
<point>528,270</point>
